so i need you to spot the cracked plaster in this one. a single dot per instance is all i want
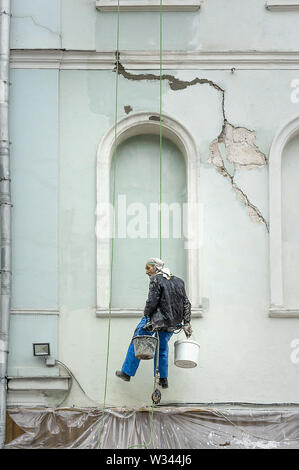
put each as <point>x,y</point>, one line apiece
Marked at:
<point>240,147</point>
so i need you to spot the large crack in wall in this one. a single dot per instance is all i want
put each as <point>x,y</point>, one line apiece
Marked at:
<point>174,83</point>
<point>242,152</point>
<point>36,23</point>
<point>239,142</point>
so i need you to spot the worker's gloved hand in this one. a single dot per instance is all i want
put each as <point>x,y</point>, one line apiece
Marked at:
<point>187,330</point>
<point>148,327</point>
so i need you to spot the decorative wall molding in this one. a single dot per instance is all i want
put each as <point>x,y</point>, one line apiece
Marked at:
<point>150,60</point>
<point>31,311</point>
<point>136,313</point>
<point>148,5</point>
<point>282,5</point>
<point>136,124</point>
<point>282,137</point>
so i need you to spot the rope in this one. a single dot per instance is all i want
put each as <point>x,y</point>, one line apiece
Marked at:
<point>160,218</point>
<point>113,221</point>
<point>113,224</point>
<point>160,110</point>
<point>153,405</point>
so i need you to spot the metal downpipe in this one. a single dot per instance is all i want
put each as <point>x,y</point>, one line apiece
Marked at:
<point>5,209</point>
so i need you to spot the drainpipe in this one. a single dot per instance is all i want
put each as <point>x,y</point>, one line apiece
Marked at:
<point>5,210</point>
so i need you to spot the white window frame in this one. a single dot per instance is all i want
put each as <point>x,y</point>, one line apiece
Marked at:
<point>132,125</point>
<point>283,136</point>
<point>148,5</point>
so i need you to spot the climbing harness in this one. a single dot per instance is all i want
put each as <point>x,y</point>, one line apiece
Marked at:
<point>145,347</point>
<point>156,395</point>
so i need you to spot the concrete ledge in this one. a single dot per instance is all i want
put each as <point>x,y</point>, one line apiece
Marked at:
<point>42,391</point>
<point>31,311</point>
<point>281,5</point>
<point>283,313</point>
<point>45,383</point>
<point>148,5</point>
<point>136,313</point>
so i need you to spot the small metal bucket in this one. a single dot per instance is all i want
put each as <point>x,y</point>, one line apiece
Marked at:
<point>186,353</point>
<point>145,346</point>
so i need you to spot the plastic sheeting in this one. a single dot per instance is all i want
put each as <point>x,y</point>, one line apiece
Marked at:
<point>172,428</point>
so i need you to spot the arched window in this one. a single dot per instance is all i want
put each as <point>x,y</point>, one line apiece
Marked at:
<point>284,249</point>
<point>137,215</point>
<point>131,132</point>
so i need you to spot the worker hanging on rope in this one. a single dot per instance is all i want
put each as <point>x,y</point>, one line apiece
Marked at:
<point>167,310</point>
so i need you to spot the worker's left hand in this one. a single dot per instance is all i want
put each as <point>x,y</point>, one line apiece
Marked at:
<point>188,330</point>
<point>148,327</point>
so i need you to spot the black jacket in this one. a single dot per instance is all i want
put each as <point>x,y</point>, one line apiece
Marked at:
<point>167,304</point>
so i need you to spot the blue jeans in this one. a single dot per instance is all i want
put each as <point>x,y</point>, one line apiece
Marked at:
<point>131,363</point>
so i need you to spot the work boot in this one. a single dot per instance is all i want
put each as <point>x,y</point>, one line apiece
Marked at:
<point>122,375</point>
<point>163,383</point>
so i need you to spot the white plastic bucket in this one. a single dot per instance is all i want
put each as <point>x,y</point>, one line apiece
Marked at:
<point>186,353</point>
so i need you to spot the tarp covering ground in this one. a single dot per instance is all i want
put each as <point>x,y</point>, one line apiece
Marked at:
<point>172,428</point>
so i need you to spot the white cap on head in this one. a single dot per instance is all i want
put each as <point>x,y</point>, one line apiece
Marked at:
<point>159,265</point>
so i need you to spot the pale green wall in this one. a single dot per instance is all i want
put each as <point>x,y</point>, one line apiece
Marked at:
<point>24,331</point>
<point>34,135</point>
<point>219,25</point>
<point>35,24</point>
<point>245,355</point>
<point>34,187</point>
<point>234,253</point>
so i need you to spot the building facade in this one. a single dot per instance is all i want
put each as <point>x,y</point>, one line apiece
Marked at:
<point>230,124</point>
